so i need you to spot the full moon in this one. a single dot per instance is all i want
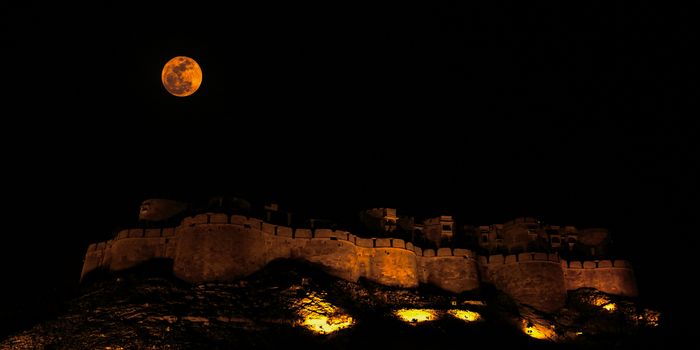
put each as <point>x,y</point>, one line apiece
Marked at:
<point>181,76</point>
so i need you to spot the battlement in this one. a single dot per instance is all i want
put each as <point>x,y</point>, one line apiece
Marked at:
<point>145,232</point>
<point>299,233</point>
<point>216,246</point>
<point>516,258</point>
<point>609,276</point>
<point>623,264</point>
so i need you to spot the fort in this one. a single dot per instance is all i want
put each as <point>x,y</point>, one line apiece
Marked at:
<point>221,246</point>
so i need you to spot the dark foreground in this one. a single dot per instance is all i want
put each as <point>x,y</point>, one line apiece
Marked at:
<point>290,304</point>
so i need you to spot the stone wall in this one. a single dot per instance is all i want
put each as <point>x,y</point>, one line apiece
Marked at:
<point>93,258</point>
<point>454,270</point>
<point>210,247</point>
<point>612,277</point>
<point>129,252</point>
<point>391,266</point>
<point>214,252</point>
<point>215,247</point>
<point>338,258</point>
<point>535,279</point>
<point>130,248</point>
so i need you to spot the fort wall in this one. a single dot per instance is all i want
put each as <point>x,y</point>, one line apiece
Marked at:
<point>454,270</point>
<point>93,258</point>
<point>344,255</point>
<point>216,247</point>
<point>612,277</point>
<point>535,279</point>
<point>211,252</point>
<point>129,252</point>
<point>208,251</point>
<point>339,258</point>
<point>130,248</point>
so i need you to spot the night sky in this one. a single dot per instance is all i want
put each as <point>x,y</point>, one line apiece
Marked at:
<point>582,115</point>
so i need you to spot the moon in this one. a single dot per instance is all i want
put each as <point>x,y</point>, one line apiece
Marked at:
<point>181,76</point>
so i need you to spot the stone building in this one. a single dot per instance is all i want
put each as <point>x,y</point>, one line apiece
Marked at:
<point>439,229</point>
<point>380,219</point>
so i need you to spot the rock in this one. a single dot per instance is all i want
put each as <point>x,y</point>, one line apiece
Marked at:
<point>267,310</point>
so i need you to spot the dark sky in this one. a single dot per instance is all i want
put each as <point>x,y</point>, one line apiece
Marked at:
<point>581,115</point>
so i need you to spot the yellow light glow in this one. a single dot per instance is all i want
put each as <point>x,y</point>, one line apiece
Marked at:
<point>324,325</point>
<point>414,316</point>
<point>537,331</point>
<point>579,333</point>
<point>610,307</point>
<point>321,316</point>
<point>465,315</point>
<point>600,301</point>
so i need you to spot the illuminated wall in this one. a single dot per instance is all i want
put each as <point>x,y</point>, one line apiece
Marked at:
<point>213,247</point>
<point>212,252</point>
<point>93,258</point>
<point>535,279</point>
<point>217,247</point>
<point>454,270</point>
<point>612,277</point>
<point>130,248</point>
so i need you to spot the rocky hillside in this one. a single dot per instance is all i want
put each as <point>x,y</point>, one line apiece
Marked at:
<point>290,303</point>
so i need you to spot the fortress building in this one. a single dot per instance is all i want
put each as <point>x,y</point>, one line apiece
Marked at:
<point>218,247</point>
<point>439,228</point>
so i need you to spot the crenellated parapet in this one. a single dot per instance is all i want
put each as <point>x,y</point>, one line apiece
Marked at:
<point>217,247</point>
